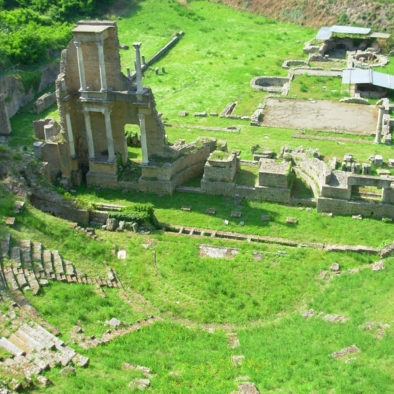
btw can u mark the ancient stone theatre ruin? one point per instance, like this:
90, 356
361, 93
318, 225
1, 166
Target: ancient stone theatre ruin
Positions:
95, 102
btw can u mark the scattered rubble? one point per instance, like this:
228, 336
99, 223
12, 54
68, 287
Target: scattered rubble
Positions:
346, 351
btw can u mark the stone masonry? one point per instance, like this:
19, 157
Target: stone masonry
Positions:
5, 126
96, 101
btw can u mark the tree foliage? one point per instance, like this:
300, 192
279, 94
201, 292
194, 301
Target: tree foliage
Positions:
30, 30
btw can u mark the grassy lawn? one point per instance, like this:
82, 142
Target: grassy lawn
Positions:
307, 87
298, 350
179, 359
66, 305
226, 53
312, 225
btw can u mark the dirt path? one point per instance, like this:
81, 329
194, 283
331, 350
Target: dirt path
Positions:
320, 115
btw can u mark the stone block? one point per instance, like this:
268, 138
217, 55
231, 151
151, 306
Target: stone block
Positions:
44, 102
378, 160
200, 114
291, 220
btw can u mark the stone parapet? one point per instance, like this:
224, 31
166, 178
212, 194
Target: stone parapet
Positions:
343, 207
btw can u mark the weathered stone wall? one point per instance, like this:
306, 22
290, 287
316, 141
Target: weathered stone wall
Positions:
221, 170
5, 126
273, 173
317, 169
44, 102
50, 155
218, 188
14, 92
262, 193
53, 203
343, 207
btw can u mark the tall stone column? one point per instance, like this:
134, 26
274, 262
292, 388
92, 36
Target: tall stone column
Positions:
70, 136
144, 145
81, 68
108, 132
138, 70
89, 135
379, 125
103, 75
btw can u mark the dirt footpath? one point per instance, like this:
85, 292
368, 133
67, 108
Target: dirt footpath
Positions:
320, 115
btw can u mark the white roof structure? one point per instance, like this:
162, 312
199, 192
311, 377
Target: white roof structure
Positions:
325, 33
361, 76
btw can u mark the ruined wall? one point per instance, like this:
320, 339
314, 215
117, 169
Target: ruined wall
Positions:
15, 93
5, 126
317, 169
343, 207
53, 203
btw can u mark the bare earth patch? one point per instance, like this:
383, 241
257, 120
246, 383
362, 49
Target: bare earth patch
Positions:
320, 115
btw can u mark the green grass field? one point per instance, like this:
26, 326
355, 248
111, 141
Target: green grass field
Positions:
200, 299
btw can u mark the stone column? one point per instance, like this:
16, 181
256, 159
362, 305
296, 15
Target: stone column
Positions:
70, 136
103, 75
89, 136
108, 132
144, 146
379, 125
138, 71
81, 67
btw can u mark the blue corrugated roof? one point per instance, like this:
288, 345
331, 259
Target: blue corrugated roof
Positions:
326, 32
360, 76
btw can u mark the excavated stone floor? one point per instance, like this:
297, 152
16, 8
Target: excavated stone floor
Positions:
320, 115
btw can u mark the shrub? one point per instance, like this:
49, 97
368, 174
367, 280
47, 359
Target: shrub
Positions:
140, 213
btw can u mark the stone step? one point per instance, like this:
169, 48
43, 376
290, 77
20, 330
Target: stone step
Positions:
18, 342
41, 342
16, 255
11, 281
10, 347
69, 268
30, 343
37, 252
21, 279
57, 262
33, 283
25, 247
5, 246
47, 260
48, 336
65, 355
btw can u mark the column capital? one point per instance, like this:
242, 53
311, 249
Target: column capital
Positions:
77, 43
100, 42
137, 45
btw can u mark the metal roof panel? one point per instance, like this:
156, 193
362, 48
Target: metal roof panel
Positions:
360, 76
350, 29
324, 34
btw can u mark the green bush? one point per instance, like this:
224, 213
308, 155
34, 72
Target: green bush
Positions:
29, 29
140, 213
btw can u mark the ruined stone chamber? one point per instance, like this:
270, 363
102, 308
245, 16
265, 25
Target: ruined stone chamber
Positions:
95, 102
